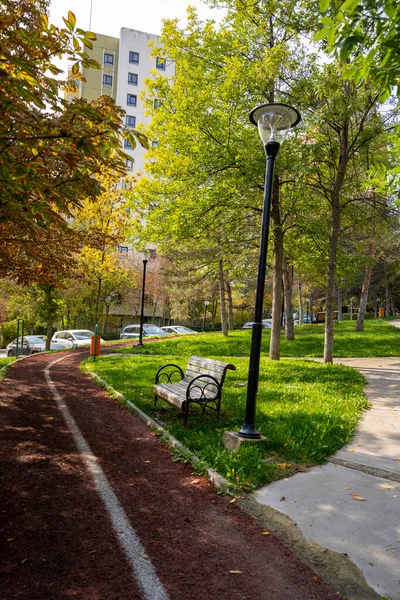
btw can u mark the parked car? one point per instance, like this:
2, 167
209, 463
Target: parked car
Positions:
178, 330
133, 331
73, 338
31, 344
265, 324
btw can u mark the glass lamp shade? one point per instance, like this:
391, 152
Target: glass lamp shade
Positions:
146, 253
274, 121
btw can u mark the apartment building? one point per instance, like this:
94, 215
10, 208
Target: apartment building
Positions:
125, 64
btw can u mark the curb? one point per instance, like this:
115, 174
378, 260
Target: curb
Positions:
333, 567
220, 482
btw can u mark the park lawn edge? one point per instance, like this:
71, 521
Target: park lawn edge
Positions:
247, 468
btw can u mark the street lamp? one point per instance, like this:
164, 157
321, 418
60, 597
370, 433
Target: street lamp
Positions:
146, 255
274, 122
206, 303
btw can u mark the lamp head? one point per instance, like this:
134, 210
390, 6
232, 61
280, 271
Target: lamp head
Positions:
146, 253
274, 121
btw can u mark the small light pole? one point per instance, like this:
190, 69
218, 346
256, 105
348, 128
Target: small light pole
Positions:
274, 122
206, 303
146, 255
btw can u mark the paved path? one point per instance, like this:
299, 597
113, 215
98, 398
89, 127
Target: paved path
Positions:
93, 507
322, 501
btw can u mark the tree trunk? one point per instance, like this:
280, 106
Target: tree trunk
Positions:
275, 343
387, 301
231, 324
339, 305
49, 334
334, 240
97, 301
300, 302
287, 276
224, 324
311, 307
365, 289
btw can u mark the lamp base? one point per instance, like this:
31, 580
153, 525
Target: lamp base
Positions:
249, 432
232, 440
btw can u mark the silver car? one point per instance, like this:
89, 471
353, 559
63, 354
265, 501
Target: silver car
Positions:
31, 344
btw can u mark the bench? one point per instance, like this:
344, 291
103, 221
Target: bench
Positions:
320, 317
200, 384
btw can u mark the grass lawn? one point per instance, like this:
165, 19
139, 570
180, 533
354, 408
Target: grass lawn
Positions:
4, 361
378, 339
305, 409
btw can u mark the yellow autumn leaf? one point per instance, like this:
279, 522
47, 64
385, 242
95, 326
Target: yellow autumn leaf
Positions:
387, 486
232, 501
352, 450
346, 488
266, 533
234, 572
357, 497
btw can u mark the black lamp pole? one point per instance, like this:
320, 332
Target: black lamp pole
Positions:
274, 122
248, 429
140, 342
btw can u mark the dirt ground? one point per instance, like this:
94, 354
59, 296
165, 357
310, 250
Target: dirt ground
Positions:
56, 538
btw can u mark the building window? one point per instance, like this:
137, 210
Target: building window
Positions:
157, 103
131, 100
127, 144
134, 58
123, 249
132, 78
154, 144
130, 121
160, 63
129, 164
108, 58
107, 80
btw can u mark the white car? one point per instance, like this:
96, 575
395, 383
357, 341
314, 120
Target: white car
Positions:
73, 338
178, 330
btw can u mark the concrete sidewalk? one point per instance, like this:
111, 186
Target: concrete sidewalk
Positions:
352, 504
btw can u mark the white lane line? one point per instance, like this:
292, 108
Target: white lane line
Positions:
142, 567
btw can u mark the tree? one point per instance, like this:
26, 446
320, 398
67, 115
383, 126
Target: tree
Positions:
368, 33
51, 152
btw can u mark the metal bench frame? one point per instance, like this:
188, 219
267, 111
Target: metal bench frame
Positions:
201, 384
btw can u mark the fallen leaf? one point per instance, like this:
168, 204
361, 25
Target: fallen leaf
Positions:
282, 499
357, 497
346, 488
394, 549
10, 539
23, 561
234, 572
266, 533
394, 495
195, 481
315, 577
147, 461
144, 555
352, 450
232, 501
387, 486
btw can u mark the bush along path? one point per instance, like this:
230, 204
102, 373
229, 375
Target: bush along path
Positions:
93, 507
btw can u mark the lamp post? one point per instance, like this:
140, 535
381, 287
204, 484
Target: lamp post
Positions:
146, 255
377, 307
274, 122
206, 303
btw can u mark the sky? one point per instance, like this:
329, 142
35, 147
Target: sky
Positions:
108, 16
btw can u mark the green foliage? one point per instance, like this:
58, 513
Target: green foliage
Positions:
368, 33
306, 410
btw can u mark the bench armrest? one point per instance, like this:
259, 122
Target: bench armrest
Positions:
166, 376
204, 391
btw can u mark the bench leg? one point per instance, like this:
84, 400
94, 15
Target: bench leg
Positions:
186, 413
155, 400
